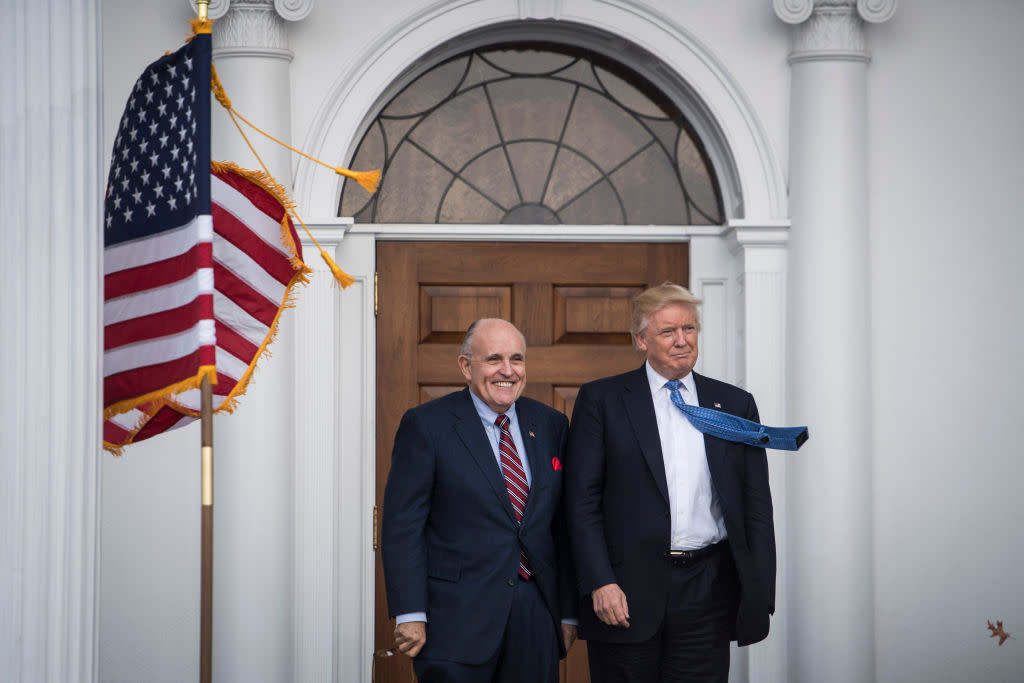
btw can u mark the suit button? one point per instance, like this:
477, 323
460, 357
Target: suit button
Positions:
511, 582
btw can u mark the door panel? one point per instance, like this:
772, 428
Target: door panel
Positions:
571, 301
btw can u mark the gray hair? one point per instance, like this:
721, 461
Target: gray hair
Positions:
650, 301
467, 341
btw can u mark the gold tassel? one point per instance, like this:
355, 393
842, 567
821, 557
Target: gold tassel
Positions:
369, 180
340, 276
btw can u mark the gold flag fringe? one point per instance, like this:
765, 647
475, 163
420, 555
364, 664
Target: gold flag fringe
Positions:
176, 388
342, 278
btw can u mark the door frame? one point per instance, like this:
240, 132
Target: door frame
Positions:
739, 269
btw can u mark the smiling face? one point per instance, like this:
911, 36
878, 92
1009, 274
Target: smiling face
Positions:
495, 369
670, 340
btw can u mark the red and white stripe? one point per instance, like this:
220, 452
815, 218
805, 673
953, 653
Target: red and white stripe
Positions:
246, 288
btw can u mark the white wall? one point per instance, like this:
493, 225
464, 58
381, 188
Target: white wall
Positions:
947, 265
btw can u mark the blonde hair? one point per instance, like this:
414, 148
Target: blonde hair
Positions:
652, 300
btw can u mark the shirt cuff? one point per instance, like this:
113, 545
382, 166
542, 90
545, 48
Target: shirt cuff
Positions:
411, 616
571, 622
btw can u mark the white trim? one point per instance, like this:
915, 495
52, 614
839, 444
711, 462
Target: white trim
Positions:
750, 172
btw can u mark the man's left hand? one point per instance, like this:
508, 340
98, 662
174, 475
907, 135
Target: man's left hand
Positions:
568, 635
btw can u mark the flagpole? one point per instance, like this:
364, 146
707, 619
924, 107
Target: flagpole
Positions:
206, 441
206, 588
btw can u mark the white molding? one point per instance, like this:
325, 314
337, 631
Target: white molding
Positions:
316, 480
540, 9
535, 233
294, 10
753, 180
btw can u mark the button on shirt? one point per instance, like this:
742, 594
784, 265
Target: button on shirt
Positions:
697, 519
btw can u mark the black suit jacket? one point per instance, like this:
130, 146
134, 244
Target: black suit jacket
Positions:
451, 544
618, 508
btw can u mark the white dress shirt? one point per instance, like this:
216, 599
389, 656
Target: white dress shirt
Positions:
697, 519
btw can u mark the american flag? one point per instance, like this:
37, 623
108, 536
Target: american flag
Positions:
158, 266
198, 264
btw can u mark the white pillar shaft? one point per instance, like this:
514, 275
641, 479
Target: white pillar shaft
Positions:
50, 364
254, 449
830, 521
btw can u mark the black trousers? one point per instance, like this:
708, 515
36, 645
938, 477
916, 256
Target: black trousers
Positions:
528, 652
692, 644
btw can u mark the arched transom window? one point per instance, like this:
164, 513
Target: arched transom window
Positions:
533, 134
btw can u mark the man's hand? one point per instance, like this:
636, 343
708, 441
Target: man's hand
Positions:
410, 637
610, 605
568, 636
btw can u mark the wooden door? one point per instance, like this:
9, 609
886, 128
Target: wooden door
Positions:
571, 301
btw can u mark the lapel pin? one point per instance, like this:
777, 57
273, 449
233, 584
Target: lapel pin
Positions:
531, 435
718, 405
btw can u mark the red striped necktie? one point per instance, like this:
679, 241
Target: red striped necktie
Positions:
515, 480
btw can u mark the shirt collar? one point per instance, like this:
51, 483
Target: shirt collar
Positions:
657, 382
488, 415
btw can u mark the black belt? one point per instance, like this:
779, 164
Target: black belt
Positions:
685, 558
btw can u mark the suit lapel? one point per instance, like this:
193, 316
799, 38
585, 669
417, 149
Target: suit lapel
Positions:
636, 397
471, 431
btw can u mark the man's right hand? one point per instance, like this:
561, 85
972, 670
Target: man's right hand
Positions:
410, 637
610, 605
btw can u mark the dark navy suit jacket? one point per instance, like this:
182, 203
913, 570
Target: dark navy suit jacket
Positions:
451, 544
618, 508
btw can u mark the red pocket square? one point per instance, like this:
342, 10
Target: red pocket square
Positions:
556, 464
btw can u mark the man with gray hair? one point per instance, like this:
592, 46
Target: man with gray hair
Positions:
671, 528
476, 565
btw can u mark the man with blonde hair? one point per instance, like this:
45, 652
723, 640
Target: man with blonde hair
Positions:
671, 528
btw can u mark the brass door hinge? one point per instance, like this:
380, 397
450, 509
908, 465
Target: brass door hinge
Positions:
376, 528
376, 300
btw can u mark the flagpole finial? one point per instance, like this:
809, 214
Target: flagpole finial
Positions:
202, 23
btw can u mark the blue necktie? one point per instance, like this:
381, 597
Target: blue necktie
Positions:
733, 428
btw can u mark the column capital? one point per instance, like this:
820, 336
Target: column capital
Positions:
248, 26
831, 29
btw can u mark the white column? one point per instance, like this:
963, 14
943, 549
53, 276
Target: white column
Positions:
762, 259
829, 564
255, 448
51, 194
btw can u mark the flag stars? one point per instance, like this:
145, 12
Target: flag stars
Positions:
175, 151
149, 95
158, 190
181, 101
141, 115
124, 183
172, 70
152, 128
155, 77
127, 215
182, 132
150, 209
162, 108
133, 133
137, 196
184, 82
166, 171
135, 165
117, 202
153, 158
168, 89
172, 202
173, 121
143, 146
178, 183
163, 140
144, 178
